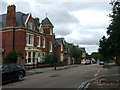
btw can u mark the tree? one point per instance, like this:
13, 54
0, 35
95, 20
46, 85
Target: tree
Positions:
12, 57
95, 55
52, 59
110, 47
75, 52
105, 49
113, 31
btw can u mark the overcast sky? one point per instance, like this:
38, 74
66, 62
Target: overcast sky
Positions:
82, 22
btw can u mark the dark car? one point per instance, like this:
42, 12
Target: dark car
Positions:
11, 72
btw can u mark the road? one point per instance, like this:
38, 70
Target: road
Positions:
67, 78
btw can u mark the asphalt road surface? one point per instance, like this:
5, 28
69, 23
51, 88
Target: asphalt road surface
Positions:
67, 78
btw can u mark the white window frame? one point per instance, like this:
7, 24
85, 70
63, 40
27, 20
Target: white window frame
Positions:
43, 42
29, 57
50, 47
51, 32
41, 30
29, 39
38, 41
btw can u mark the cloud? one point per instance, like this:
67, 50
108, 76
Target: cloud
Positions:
63, 29
90, 18
3, 6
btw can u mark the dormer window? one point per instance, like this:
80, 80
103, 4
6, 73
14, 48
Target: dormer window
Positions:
29, 25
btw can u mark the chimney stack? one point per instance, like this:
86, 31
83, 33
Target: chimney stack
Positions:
11, 16
37, 19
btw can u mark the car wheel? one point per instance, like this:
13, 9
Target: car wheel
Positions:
20, 76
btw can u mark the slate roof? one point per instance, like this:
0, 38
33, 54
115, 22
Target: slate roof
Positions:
55, 43
20, 19
46, 22
3, 20
59, 40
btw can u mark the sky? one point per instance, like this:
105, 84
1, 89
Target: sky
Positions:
82, 22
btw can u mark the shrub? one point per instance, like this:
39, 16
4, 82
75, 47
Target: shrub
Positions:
12, 57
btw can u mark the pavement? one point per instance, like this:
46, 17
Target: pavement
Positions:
48, 69
108, 79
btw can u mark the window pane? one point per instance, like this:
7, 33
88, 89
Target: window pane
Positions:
29, 56
29, 25
43, 41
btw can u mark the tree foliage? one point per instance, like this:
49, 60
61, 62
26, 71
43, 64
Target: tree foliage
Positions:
51, 58
12, 57
75, 52
110, 46
104, 49
95, 55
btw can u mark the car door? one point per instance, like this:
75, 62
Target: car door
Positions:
5, 73
14, 71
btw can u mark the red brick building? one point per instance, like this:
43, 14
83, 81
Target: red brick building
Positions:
26, 35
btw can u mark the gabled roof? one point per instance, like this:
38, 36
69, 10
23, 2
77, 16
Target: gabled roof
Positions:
47, 22
55, 43
20, 19
60, 41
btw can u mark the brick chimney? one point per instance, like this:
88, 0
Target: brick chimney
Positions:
37, 19
11, 16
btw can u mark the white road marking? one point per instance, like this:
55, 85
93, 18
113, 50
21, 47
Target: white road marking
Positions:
86, 83
97, 73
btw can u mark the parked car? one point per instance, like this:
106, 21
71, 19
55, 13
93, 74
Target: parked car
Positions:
87, 62
101, 62
11, 72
